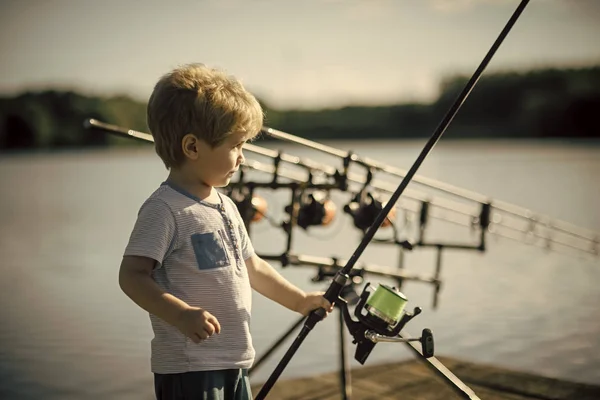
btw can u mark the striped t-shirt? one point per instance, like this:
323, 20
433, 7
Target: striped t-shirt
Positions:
200, 248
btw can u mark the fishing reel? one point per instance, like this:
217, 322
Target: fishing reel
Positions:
316, 209
382, 321
364, 209
252, 208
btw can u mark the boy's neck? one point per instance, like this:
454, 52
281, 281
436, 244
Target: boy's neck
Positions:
193, 186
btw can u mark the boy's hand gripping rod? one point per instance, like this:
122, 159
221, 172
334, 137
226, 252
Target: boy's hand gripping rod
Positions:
342, 276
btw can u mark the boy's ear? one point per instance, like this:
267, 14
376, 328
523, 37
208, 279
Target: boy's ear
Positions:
189, 145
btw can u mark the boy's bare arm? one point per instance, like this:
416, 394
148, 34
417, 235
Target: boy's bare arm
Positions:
268, 282
136, 281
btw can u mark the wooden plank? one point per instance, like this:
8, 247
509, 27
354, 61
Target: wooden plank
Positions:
412, 380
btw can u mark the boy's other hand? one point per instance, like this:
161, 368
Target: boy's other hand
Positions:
197, 324
312, 301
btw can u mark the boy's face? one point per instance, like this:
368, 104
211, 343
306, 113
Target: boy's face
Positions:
217, 165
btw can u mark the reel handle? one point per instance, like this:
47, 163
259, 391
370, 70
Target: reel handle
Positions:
426, 339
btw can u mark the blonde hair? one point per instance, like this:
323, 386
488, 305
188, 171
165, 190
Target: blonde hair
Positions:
202, 101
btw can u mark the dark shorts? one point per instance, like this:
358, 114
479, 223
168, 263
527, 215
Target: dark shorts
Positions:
227, 384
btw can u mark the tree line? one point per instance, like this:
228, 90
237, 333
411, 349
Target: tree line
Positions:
544, 103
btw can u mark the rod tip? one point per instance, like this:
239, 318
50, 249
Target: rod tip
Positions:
88, 123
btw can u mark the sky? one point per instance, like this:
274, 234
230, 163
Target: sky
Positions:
291, 54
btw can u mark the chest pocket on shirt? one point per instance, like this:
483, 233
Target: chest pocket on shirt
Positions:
209, 249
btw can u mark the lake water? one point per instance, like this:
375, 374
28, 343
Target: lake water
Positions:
68, 332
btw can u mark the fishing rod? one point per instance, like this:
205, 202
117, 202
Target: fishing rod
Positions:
511, 209
519, 224
357, 208
342, 178
339, 281
414, 201
518, 220
287, 257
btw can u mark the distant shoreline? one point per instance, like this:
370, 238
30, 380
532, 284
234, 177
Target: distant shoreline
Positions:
547, 104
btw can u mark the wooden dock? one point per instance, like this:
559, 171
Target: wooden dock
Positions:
413, 380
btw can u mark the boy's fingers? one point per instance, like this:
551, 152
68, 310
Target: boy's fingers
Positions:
209, 328
203, 335
215, 323
195, 338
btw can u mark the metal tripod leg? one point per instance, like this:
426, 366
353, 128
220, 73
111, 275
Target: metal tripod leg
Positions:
345, 372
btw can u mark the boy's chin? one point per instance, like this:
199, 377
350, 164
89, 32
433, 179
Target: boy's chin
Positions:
224, 182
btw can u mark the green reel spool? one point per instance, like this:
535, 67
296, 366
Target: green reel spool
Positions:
387, 304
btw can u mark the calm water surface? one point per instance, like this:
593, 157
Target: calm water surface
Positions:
68, 332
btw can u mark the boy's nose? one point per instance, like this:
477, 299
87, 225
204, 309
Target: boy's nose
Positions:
241, 159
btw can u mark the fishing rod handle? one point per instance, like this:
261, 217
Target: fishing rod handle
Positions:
332, 295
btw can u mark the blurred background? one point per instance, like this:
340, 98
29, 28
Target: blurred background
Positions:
375, 77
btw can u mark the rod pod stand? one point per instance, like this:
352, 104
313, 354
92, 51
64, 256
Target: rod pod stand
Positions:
369, 329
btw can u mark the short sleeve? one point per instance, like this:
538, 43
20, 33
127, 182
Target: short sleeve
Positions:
154, 233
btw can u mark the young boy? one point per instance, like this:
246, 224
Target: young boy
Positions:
189, 262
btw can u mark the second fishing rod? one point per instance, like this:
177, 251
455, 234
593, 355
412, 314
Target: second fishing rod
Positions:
339, 281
